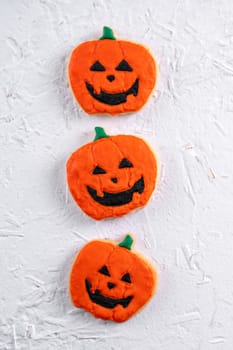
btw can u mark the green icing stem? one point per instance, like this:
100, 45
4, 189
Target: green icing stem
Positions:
127, 242
99, 133
107, 34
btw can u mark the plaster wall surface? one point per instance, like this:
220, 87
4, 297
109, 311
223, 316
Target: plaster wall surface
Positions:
187, 228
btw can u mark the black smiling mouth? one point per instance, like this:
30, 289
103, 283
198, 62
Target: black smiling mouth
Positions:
120, 198
100, 299
113, 99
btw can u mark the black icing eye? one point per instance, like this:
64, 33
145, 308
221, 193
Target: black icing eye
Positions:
124, 66
126, 278
104, 271
125, 163
98, 170
97, 67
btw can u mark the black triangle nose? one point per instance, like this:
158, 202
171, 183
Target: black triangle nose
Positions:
111, 78
111, 285
114, 180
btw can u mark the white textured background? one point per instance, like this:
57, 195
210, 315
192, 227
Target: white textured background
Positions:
187, 229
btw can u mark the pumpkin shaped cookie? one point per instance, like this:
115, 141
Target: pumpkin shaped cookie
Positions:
109, 76
112, 175
110, 280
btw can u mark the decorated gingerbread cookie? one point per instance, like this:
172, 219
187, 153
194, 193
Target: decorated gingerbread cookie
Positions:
111, 76
112, 175
110, 280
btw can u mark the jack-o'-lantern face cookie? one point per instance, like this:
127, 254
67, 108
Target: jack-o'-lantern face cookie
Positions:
112, 175
110, 280
109, 76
